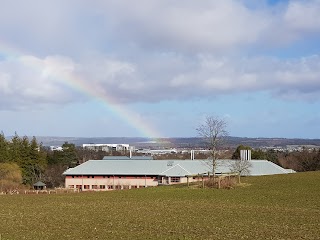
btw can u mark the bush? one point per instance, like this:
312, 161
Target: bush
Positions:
10, 177
222, 182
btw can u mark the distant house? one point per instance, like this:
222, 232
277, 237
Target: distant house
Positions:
123, 172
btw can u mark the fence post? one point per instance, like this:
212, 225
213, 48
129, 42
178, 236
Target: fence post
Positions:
202, 181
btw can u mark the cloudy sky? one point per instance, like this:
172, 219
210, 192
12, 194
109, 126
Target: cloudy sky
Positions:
156, 68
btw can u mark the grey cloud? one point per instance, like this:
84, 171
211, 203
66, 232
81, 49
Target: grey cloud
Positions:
74, 27
303, 16
30, 81
153, 50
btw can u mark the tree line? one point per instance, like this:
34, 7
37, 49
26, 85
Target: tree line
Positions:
24, 153
25, 161
300, 161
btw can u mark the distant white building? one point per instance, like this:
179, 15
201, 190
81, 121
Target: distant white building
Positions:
108, 147
157, 151
55, 148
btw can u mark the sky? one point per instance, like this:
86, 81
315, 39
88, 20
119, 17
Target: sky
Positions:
157, 68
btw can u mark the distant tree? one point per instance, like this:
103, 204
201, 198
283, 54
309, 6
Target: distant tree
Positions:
258, 154
15, 149
87, 154
60, 161
37, 161
236, 153
309, 161
272, 156
240, 166
4, 149
10, 177
53, 175
68, 157
213, 132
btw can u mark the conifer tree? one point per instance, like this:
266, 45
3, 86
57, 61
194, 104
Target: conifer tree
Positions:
4, 146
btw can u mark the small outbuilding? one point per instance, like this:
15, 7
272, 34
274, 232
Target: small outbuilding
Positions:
39, 186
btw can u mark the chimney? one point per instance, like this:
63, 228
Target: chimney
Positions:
192, 154
245, 155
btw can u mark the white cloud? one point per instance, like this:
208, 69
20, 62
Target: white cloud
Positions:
153, 50
28, 81
303, 16
74, 27
31, 81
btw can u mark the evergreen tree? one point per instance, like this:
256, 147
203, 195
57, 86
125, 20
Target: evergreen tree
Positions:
15, 149
236, 154
25, 160
4, 146
69, 154
68, 157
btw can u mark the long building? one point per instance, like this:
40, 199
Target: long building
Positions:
123, 172
108, 147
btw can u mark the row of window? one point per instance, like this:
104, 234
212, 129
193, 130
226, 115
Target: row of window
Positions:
102, 186
124, 177
175, 179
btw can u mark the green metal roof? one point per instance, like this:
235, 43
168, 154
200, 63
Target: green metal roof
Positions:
39, 184
127, 158
167, 167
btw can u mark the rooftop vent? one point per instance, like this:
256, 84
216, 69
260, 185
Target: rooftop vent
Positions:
245, 154
170, 163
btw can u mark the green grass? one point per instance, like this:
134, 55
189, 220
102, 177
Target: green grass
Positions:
270, 207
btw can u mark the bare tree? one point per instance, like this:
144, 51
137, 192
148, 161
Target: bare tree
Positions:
214, 132
240, 166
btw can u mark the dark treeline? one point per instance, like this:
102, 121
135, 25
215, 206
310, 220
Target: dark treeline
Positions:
26, 154
32, 162
301, 161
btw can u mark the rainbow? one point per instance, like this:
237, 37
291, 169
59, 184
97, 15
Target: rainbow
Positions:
128, 116
79, 84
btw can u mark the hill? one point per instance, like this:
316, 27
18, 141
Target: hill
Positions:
192, 142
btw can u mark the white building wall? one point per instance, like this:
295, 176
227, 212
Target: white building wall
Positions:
109, 183
87, 184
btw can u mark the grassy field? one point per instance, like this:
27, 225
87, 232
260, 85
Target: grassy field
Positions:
270, 207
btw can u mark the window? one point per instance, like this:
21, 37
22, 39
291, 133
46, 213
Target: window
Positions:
94, 186
72, 176
175, 179
86, 186
78, 186
71, 186
102, 187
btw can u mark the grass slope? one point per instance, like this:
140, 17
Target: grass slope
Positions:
269, 207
